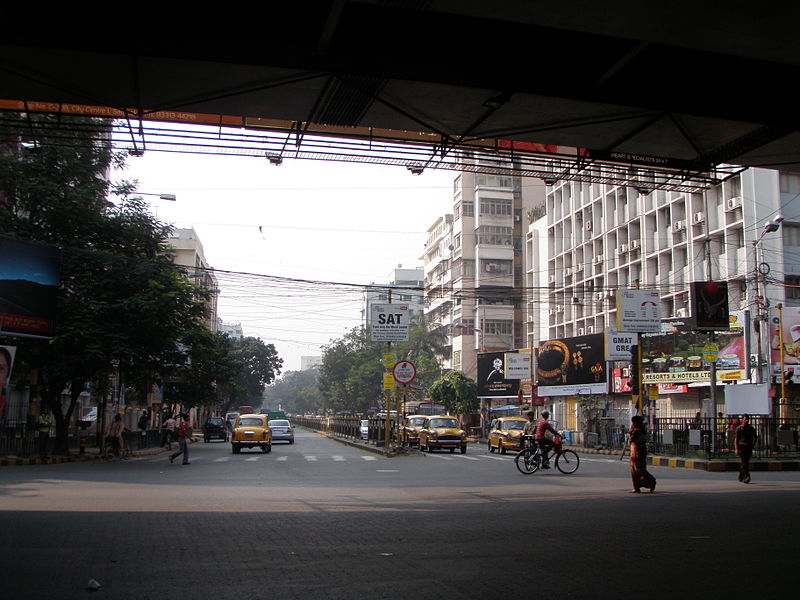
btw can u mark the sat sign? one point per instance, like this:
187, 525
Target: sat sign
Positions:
390, 322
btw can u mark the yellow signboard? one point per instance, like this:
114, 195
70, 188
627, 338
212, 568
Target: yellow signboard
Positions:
388, 381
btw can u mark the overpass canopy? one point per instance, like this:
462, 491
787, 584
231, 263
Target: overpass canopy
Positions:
686, 85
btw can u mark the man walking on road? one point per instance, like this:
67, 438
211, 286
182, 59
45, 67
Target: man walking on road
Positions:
183, 440
743, 441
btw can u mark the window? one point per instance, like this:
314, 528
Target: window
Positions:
496, 206
467, 209
793, 287
493, 180
494, 235
498, 327
497, 267
467, 327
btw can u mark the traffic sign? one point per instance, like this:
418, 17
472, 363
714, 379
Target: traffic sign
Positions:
404, 372
390, 322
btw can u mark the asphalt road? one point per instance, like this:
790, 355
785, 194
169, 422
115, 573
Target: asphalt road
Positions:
319, 519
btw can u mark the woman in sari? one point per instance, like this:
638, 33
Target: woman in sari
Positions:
639, 474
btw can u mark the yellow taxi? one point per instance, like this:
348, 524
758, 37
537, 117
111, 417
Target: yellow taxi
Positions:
506, 434
409, 430
251, 431
442, 431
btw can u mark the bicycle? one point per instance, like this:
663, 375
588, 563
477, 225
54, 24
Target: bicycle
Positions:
529, 459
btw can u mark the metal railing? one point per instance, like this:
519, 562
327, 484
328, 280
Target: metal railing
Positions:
712, 437
349, 427
17, 442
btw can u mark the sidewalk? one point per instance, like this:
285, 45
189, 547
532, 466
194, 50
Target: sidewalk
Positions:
713, 465
703, 464
90, 454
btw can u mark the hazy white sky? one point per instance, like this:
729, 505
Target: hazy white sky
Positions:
310, 220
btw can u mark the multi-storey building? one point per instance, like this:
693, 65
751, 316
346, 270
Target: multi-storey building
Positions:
601, 238
187, 251
474, 266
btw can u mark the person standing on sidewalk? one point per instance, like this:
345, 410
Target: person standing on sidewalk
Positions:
183, 440
44, 423
743, 441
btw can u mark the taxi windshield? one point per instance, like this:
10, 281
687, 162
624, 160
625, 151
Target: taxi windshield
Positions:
513, 425
417, 421
444, 423
251, 422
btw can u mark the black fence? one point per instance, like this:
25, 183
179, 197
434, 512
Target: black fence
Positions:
712, 437
17, 442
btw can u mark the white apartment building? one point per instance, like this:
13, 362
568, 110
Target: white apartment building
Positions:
474, 265
600, 238
187, 251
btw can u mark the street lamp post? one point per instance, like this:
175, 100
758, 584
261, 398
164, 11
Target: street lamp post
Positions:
761, 271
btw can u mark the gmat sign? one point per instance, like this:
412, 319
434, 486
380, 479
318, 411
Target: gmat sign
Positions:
390, 322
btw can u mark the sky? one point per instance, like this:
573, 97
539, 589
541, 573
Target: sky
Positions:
327, 223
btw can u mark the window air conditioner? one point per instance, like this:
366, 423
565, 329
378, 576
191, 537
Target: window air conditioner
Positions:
699, 217
682, 313
599, 296
559, 308
567, 272
581, 331
733, 203
578, 268
598, 259
622, 249
635, 245
552, 278
576, 300
678, 225
590, 329
588, 225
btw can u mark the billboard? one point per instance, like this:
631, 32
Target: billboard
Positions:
30, 274
492, 382
572, 366
710, 305
789, 317
676, 355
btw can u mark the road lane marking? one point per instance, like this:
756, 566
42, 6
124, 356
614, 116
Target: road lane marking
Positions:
223, 459
495, 458
370, 457
281, 458
465, 457
252, 459
338, 458
310, 458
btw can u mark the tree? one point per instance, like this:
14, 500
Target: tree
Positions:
258, 366
457, 392
351, 375
297, 392
122, 305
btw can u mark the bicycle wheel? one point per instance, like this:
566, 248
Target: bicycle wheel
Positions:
527, 460
567, 462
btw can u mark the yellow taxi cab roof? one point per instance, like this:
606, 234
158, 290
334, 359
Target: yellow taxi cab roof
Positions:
512, 419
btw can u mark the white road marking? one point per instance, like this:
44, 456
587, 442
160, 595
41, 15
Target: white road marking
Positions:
496, 458
252, 459
281, 458
465, 457
223, 459
310, 458
370, 457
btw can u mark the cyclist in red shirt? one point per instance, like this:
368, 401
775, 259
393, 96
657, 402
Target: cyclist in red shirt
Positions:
545, 444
